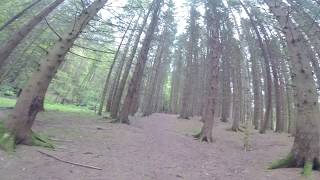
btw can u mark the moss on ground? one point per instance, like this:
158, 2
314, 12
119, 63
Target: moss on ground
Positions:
307, 169
282, 163
41, 140
7, 140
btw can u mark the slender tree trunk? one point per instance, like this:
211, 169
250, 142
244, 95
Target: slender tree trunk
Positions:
256, 76
8, 47
237, 88
115, 84
21, 119
118, 95
106, 84
136, 80
266, 58
186, 108
213, 26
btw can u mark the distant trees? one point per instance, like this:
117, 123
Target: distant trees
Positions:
31, 99
16, 38
261, 69
135, 82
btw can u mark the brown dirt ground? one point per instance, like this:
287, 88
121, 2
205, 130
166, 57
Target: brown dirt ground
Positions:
159, 147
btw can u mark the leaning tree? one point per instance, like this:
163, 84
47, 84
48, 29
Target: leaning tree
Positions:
17, 128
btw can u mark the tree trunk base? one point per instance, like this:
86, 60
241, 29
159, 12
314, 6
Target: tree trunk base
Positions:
8, 141
203, 137
290, 161
38, 140
183, 117
239, 129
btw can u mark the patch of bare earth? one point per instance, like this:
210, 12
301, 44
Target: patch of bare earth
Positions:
159, 147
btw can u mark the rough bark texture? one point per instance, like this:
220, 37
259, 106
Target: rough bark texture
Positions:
8, 47
237, 87
136, 80
213, 27
21, 119
306, 147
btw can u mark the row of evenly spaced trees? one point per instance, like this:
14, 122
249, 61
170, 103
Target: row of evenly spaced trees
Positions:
236, 61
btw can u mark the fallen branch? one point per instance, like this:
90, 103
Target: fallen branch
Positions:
62, 140
69, 162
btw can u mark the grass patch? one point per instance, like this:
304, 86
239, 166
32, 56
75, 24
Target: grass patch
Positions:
10, 102
7, 102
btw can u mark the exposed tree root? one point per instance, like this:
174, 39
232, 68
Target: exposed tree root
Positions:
283, 163
239, 129
42, 141
206, 139
181, 117
197, 136
290, 161
7, 140
115, 121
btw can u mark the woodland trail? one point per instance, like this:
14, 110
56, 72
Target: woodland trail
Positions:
158, 147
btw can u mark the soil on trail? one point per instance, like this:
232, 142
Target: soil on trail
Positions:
158, 147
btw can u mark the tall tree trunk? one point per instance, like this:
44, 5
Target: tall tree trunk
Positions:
8, 47
176, 82
186, 108
106, 84
118, 95
256, 75
306, 148
237, 87
214, 46
122, 61
136, 80
21, 119
266, 58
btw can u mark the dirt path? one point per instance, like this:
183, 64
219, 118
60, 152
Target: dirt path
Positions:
159, 147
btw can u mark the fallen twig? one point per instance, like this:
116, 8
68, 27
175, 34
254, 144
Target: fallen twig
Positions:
69, 162
62, 140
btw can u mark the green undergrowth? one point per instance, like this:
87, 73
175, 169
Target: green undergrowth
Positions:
41, 140
7, 141
9, 102
307, 169
288, 161
282, 163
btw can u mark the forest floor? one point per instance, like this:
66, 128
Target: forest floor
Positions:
158, 147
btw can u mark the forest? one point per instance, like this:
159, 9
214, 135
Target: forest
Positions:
159, 89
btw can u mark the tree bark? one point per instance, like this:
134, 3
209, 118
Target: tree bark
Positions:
214, 46
115, 84
268, 94
106, 84
306, 148
21, 119
136, 79
186, 108
118, 95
